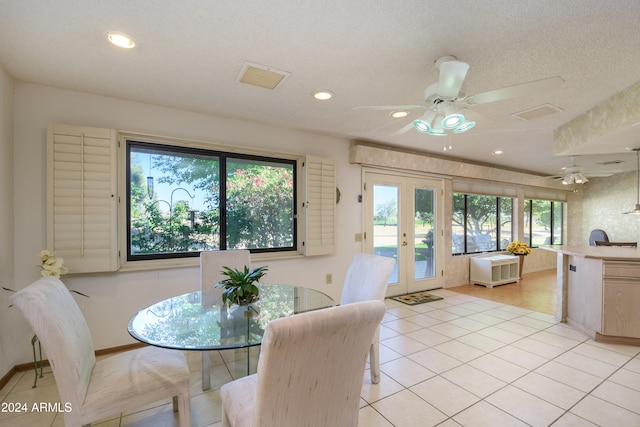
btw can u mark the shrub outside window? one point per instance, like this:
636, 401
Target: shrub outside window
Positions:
184, 200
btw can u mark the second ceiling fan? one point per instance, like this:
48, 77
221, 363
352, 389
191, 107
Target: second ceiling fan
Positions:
445, 103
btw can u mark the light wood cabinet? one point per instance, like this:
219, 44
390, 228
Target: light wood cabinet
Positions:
493, 270
600, 292
621, 295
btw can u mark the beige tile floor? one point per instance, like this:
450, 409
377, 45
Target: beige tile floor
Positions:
461, 361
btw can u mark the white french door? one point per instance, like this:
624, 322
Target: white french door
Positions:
403, 220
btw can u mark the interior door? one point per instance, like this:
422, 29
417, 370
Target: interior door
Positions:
403, 221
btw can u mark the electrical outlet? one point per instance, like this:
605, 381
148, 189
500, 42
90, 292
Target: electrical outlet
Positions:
358, 237
329, 278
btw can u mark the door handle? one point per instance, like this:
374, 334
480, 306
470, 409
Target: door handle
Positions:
404, 243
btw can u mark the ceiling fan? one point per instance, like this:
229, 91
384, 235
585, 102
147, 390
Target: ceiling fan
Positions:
576, 174
445, 103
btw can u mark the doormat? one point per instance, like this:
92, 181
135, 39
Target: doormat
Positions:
416, 298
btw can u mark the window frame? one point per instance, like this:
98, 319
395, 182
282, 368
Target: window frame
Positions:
552, 215
231, 152
465, 222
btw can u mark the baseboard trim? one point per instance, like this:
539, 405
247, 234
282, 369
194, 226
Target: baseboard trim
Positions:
29, 366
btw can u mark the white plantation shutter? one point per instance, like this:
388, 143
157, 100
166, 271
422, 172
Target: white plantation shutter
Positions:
81, 197
319, 205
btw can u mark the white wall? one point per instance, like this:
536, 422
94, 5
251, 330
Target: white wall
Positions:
114, 297
6, 220
601, 203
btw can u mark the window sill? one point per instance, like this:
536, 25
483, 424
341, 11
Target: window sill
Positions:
163, 264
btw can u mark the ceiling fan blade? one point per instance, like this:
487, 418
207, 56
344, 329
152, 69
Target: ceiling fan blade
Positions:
479, 118
391, 107
452, 74
600, 174
515, 91
404, 129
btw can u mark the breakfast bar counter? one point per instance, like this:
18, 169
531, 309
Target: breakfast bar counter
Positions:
598, 291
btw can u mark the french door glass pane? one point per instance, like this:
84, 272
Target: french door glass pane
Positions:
423, 233
385, 223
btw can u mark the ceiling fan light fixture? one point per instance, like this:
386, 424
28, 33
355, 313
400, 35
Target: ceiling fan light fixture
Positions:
452, 121
580, 178
464, 127
438, 132
422, 126
568, 180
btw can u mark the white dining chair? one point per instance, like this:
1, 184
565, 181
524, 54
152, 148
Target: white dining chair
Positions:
97, 389
367, 279
211, 263
309, 372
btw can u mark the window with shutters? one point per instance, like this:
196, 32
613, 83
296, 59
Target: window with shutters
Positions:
118, 198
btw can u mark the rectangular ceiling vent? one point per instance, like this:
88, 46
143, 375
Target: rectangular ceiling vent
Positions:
262, 76
535, 112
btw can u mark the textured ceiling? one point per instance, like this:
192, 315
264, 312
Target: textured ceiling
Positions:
190, 53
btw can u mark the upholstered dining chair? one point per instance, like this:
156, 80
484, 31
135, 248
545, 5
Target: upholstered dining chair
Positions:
211, 263
97, 389
367, 279
309, 372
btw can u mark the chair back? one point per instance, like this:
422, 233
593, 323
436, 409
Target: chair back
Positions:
367, 278
311, 366
597, 235
60, 326
211, 263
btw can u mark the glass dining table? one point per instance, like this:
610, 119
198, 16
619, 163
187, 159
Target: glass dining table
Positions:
193, 322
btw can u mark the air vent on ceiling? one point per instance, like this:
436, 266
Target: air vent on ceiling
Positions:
535, 112
262, 76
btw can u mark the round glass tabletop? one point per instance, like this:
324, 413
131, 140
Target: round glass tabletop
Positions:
185, 322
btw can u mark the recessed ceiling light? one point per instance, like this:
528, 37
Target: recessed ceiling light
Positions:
323, 95
497, 152
121, 40
398, 114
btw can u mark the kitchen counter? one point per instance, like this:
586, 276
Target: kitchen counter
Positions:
598, 291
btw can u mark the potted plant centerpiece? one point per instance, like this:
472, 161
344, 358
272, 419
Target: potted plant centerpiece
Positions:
240, 285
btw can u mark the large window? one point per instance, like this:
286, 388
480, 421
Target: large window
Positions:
480, 223
184, 200
543, 222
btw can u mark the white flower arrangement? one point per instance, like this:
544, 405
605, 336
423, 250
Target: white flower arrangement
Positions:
52, 265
